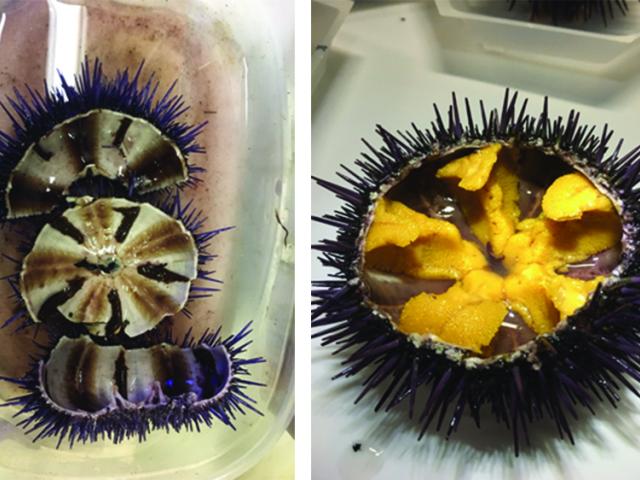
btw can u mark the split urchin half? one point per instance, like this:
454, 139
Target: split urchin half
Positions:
119, 129
491, 265
113, 268
83, 392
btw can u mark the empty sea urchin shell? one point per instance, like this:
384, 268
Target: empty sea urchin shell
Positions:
114, 268
84, 392
119, 129
110, 264
587, 350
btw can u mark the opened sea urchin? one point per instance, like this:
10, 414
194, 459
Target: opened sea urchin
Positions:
117, 128
84, 392
492, 265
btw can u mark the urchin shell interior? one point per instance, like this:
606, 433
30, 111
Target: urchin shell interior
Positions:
85, 377
102, 143
83, 392
110, 264
485, 247
118, 128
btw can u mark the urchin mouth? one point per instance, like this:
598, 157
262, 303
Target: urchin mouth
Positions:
105, 265
389, 292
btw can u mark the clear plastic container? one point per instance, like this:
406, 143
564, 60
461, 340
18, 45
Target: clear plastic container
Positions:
230, 68
327, 16
587, 46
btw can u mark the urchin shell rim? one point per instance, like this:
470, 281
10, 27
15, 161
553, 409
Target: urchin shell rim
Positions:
224, 406
611, 360
529, 349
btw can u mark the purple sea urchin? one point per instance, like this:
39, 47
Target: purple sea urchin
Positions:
83, 392
562, 11
114, 268
119, 128
580, 360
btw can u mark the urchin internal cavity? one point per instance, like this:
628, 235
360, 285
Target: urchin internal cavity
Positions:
102, 143
81, 376
112, 265
488, 246
81, 391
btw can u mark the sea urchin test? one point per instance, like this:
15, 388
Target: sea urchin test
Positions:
101, 143
111, 265
118, 129
81, 391
493, 264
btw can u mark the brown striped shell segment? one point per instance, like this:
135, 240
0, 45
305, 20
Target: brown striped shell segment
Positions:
102, 143
81, 376
111, 265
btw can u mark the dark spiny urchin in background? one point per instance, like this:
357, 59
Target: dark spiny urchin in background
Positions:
33, 114
193, 219
46, 419
577, 366
563, 11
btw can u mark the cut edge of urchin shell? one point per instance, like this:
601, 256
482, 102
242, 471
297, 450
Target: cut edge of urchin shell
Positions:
34, 113
557, 382
41, 417
192, 218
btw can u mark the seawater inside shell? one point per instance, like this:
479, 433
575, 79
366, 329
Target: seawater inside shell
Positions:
462, 249
102, 143
111, 265
81, 376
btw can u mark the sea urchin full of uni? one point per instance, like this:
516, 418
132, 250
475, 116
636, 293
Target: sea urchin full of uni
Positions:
492, 265
93, 177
